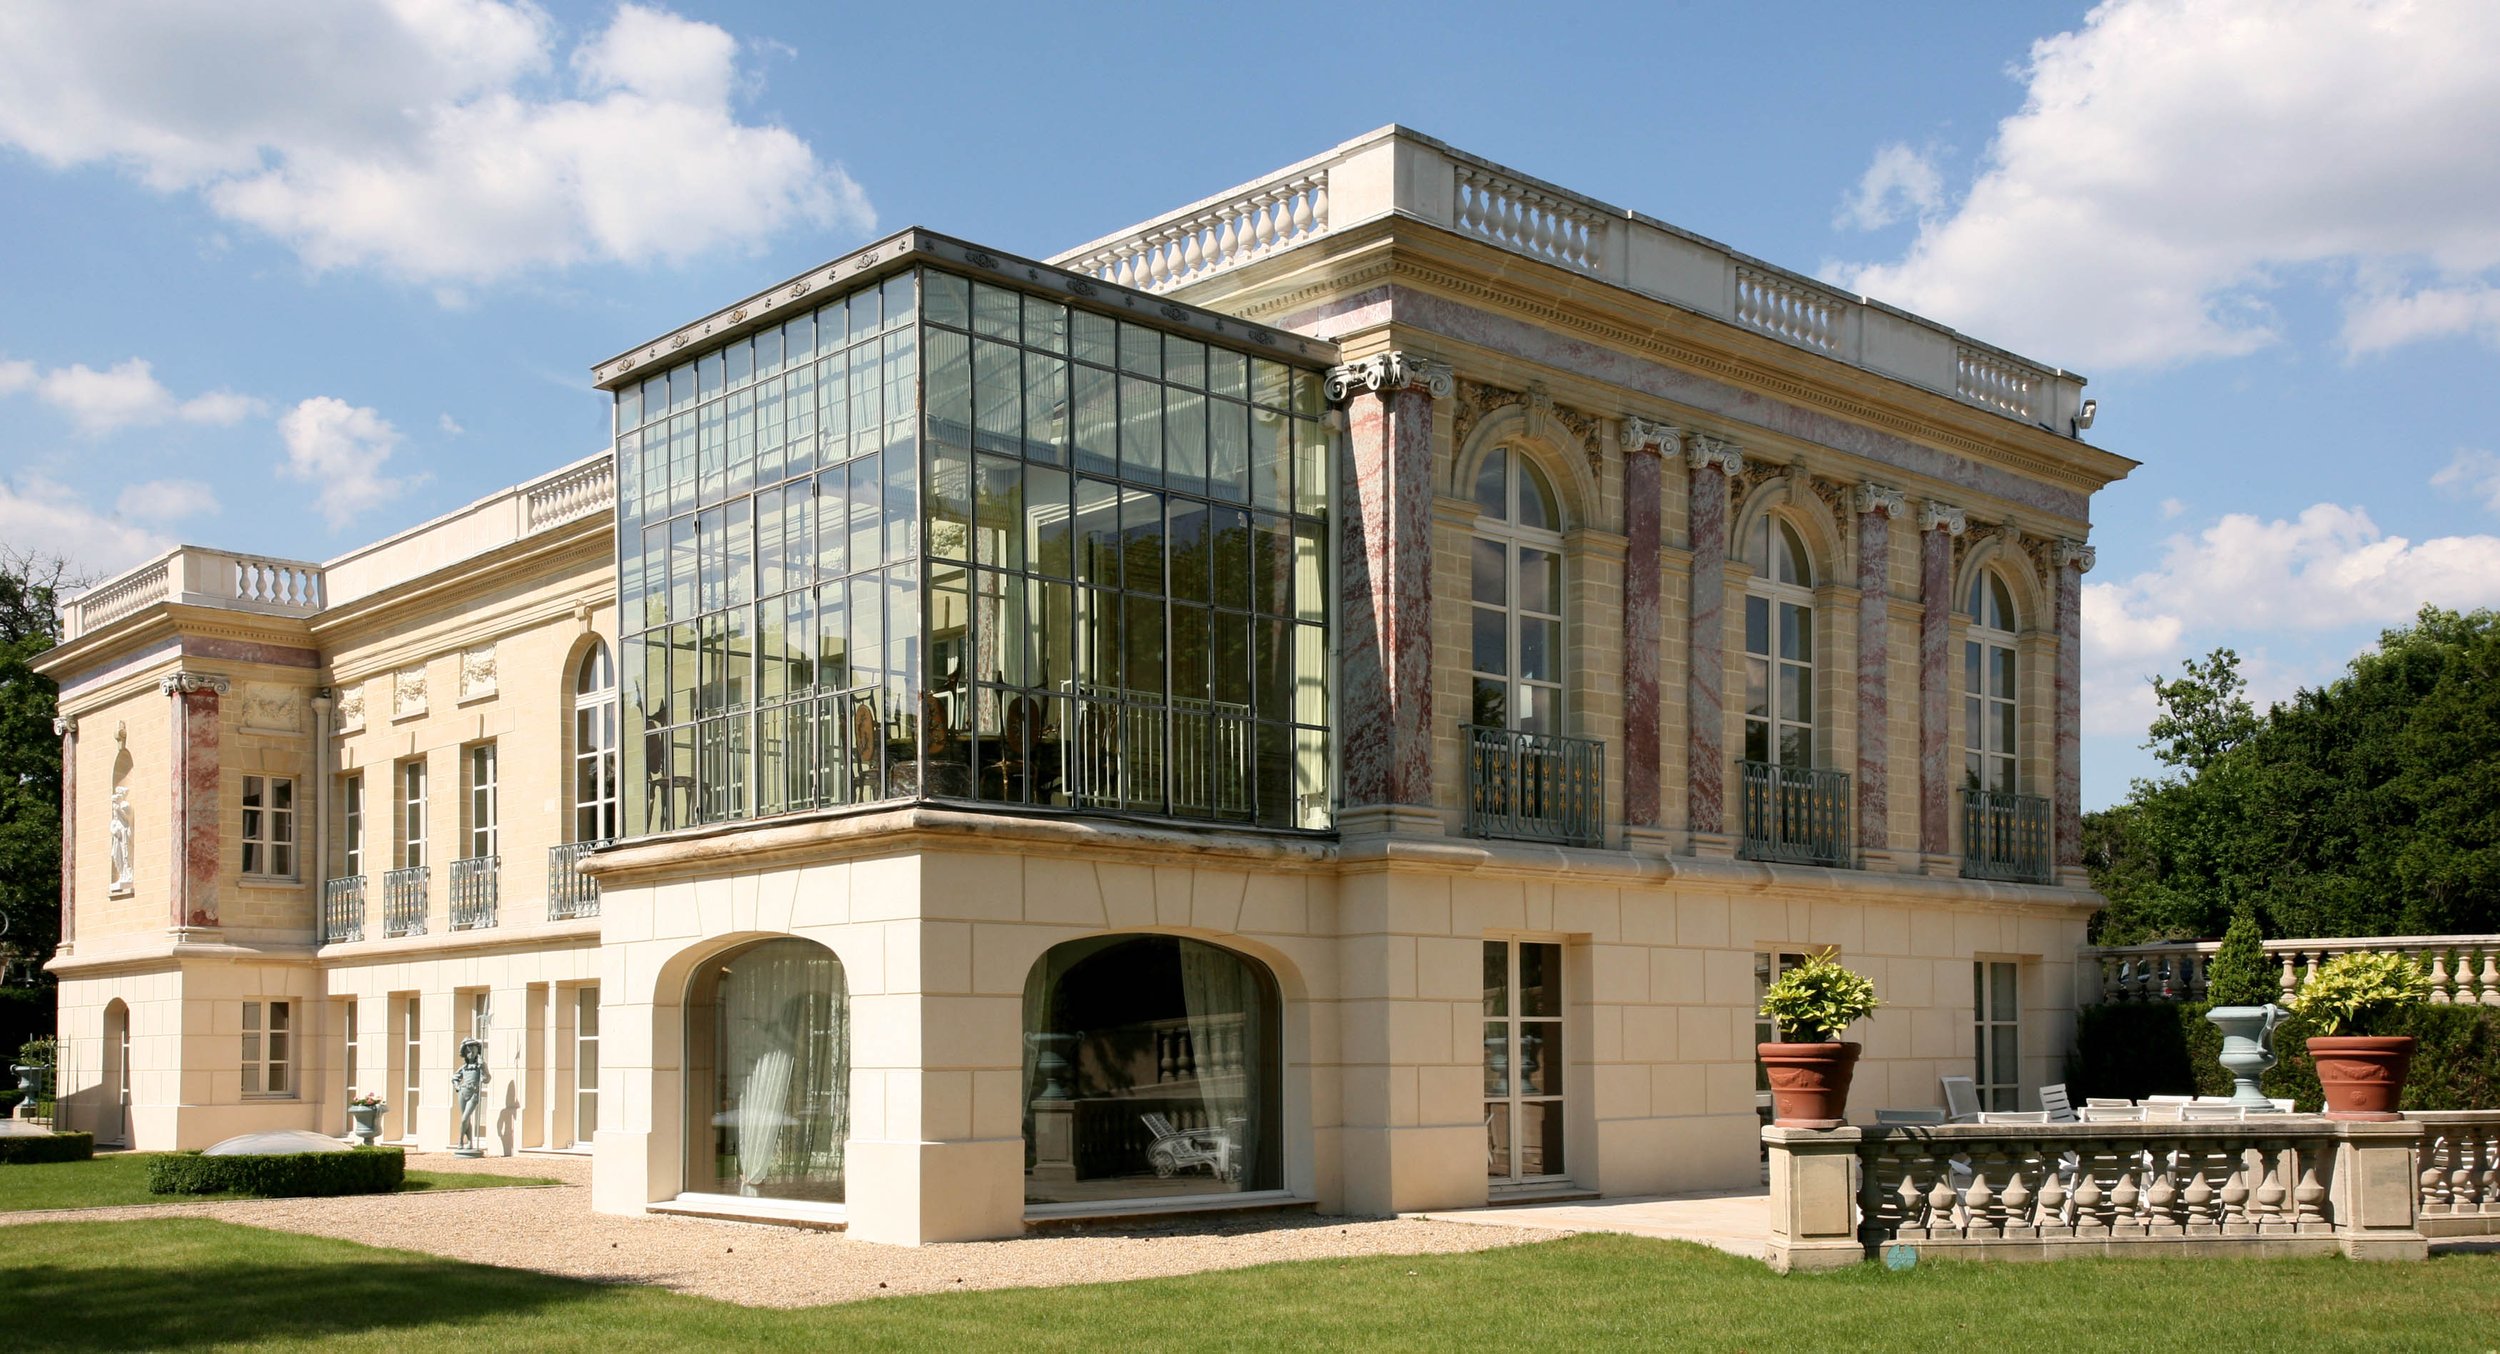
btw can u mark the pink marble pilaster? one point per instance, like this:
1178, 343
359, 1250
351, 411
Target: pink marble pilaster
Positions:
2073, 559
68, 730
1385, 577
1876, 507
1643, 487
196, 807
1705, 779
1938, 525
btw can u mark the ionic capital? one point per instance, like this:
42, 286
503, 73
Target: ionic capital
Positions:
63, 726
1877, 498
1705, 451
184, 683
2077, 556
1934, 516
1385, 372
1641, 435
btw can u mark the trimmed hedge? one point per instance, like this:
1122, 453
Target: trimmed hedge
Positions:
358, 1170
41, 1149
2136, 1049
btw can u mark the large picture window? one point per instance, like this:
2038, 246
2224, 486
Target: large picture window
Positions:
768, 1072
1991, 708
1516, 588
1149, 1071
1523, 1060
1779, 647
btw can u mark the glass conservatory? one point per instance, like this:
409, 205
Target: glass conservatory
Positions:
944, 537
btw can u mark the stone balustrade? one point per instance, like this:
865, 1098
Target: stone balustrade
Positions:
1396, 172
2464, 970
575, 492
2271, 1185
193, 575
2460, 1180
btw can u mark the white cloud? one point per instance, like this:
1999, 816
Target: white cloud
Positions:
438, 140
1901, 182
2174, 160
2378, 321
2172, 507
15, 376
126, 394
450, 426
166, 500
342, 448
2475, 472
47, 518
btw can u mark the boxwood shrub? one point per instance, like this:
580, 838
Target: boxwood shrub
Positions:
358, 1170
2136, 1049
35, 1149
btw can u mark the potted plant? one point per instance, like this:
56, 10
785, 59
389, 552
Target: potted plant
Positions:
364, 1116
2242, 989
1811, 1005
2352, 998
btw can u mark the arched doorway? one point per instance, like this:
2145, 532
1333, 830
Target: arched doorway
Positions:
116, 1125
768, 1073
1150, 1071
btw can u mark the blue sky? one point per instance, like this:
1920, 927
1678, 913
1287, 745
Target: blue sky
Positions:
291, 276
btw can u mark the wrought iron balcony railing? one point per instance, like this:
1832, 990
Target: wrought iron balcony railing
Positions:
570, 893
403, 900
343, 909
1792, 815
1537, 787
2005, 836
474, 889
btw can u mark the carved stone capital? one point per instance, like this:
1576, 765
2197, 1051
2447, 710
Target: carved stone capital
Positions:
63, 726
184, 683
1934, 516
2076, 555
1877, 498
1385, 372
1639, 435
1705, 451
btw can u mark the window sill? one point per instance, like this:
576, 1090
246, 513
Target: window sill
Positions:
267, 881
279, 1098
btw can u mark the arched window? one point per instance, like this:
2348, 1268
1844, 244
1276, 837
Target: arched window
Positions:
1517, 591
1991, 711
594, 747
1150, 1070
768, 1072
1779, 647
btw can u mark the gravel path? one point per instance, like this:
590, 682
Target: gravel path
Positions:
553, 1230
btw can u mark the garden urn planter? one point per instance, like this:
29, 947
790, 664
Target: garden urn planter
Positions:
1809, 1083
366, 1122
2363, 1075
2247, 1048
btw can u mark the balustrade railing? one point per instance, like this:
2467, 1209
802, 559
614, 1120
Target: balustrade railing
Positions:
343, 909
2005, 836
200, 577
2460, 1181
403, 900
570, 893
577, 492
2464, 970
1526, 220
1789, 310
1538, 787
475, 890
1202, 241
1997, 381
1799, 817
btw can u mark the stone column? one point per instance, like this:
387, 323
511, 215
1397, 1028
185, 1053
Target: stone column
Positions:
196, 808
1714, 463
2074, 559
1644, 445
1876, 507
67, 730
1385, 586
1814, 1177
1938, 524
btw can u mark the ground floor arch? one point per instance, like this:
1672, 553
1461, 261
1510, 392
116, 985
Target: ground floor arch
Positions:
767, 1072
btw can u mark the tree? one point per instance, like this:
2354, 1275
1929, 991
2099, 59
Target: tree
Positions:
30, 791
2368, 806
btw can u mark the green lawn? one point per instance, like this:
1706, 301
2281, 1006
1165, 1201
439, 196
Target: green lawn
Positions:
122, 1178
195, 1284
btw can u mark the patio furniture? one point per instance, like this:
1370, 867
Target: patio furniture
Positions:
1176, 1150
2106, 1103
1961, 1100
2282, 1103
2113, 1114
2053, 1100
2205, 1113
2013, 1116
1917, 1116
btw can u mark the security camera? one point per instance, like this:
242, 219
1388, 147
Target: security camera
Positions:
2084, 416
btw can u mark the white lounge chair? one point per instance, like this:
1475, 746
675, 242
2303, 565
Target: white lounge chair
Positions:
2113, 1114
2053, 1099
2013, 1116
1175, 1150
2194, 1113
2096, 1102
1961, 1100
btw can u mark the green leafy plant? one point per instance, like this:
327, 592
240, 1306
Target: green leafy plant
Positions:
37, 1149
2240, 975
1813, 1002
2357, 993
42, 1052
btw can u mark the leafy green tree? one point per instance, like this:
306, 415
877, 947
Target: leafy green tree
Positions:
30, 792
2240, 975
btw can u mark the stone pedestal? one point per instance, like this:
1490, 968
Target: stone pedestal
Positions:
1814, 1196
2374, 1194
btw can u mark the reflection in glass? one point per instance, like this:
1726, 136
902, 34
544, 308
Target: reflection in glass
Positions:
768, 1073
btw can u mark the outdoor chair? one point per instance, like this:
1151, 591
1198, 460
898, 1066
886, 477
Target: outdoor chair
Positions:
2194, 1113
2113, 1114
2013, 1116
2053, 1100
1917, 1116
1961, 1100
1176, 1150
2169, 1100
2105, 1103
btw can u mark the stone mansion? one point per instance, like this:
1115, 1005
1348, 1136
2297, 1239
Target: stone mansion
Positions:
1339, 696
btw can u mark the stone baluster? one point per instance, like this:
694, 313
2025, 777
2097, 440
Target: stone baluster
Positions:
2309, 1196
2291, 980
2439, 978
1938, 524
2234, 1195
2491, 977
1983, 1216
1876, 507
2160, 1204
1907, 1208
1645, 447
2051, 1218
2019, 1197
1385, 576
2266, 1202
2126, 1201
1942, 1205
2091, 1217
2074, 559
2435, 1194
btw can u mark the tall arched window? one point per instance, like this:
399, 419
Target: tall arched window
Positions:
1517, 591
1779, 647
594, 747
1991, 711
768, 1073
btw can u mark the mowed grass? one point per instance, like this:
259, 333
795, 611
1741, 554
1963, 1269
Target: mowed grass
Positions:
122, 1178
196, 1284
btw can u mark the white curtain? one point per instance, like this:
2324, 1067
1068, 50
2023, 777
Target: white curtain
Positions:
785, 1045
1220, 1000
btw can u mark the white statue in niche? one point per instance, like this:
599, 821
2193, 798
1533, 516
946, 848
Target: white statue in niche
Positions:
121, 838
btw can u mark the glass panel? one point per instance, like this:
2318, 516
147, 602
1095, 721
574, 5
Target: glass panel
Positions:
1541, 1138
1492, 640
2004, 1057
1540, 1055
1497, 1140
2001, 991
1540, 979
1536, 498
1491, 707
1540, 581
1492, 486
768, 1065
1540, 646
1497, 1057
1797, 632
1758, 625
2001, 673
1496, 977
1487, 560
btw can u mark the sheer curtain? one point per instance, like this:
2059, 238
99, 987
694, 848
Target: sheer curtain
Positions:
784, 1032
1218, 997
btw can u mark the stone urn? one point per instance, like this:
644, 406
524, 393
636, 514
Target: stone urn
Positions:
1809, 1083
365, 1121
2247, 1048
2363, 1075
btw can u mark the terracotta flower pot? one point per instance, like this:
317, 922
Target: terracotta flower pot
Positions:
1809, 1083
2363, 1075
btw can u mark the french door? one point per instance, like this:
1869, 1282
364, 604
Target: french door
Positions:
1523, 1061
